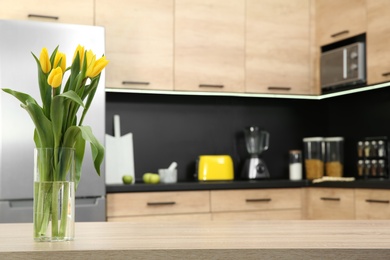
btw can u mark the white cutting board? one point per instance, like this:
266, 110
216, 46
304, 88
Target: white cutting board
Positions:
119, 155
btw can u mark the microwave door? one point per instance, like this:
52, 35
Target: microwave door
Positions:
333, 68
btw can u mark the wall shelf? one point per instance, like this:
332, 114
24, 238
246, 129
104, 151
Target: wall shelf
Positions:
235, 94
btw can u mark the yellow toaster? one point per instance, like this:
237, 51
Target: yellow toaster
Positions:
215, 168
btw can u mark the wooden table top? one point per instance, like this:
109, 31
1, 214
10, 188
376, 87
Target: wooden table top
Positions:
303, 239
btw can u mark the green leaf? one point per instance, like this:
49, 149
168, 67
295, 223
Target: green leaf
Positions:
44, 88
58, 115
42, 124
72, 139
24, 98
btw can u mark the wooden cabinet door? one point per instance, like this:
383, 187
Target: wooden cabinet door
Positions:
70, 11
255, 199
139, 43
339, 19
278, 47
378, 38
209, 45
330, 203
372, 204
124, 205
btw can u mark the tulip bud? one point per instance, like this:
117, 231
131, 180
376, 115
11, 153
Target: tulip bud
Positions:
44, 61
91, 59
55, 77
80, 51
60, 61
99, 65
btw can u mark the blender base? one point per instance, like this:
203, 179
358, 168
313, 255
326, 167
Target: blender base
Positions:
255, 168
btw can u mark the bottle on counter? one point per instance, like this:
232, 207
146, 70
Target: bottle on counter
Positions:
295, 165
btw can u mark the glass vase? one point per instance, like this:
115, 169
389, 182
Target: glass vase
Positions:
54, 194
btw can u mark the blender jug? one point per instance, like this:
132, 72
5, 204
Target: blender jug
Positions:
257, 141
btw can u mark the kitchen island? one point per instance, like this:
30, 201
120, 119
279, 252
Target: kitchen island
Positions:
300, 239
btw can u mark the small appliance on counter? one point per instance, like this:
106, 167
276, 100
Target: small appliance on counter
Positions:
257, 141
215, 168
373, 157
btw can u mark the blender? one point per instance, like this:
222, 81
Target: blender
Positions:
257, 141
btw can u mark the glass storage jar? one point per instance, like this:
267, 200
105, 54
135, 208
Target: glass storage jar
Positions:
314, 157
334, 153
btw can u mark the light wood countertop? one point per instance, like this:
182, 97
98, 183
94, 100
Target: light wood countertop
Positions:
300, 239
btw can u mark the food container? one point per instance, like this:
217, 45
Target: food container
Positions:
295, 165
314, 157
334, 153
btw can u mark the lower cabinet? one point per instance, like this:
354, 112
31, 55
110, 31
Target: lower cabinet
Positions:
250, 204
256, 204
136, 206
247, 204
372, 204
329, 203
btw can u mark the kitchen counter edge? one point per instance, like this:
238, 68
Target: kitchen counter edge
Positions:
251, 184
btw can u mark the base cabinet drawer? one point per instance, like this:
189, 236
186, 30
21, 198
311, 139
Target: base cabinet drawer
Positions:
330, 203
255, 199
372, 204
157, 203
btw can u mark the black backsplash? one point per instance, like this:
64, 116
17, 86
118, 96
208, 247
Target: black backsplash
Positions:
178, 128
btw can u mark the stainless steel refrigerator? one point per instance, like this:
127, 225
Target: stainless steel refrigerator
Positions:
18, 71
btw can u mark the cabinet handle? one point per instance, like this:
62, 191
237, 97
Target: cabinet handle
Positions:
378, 201
210, 86
163, 203
386, 74
279, 88
339, 33
135, 83
43, 16
258, 200
327, 198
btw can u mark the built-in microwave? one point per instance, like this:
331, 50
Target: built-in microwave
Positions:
343, 67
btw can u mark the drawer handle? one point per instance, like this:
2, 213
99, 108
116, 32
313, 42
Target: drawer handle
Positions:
339, 33
378, 201
135, 83
279, 88
210, 86
332, 199
386, 74
258, 200
163, 203
43, 16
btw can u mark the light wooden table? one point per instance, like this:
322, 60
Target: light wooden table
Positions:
306, 239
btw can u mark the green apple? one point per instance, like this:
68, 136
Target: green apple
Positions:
146, 177
154, 178
127, 179
151, 178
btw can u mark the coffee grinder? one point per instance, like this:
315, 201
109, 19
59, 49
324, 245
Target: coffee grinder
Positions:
257, 141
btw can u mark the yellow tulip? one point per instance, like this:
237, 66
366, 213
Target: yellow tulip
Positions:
98, 66
60, 57
91, 59
80, 51
55, 77
44, 60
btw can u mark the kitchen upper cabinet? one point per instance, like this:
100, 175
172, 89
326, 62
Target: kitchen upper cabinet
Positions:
69, 11
339, 19
139, 42
209, 45
378, 38
278, 46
